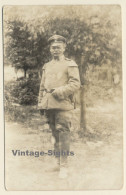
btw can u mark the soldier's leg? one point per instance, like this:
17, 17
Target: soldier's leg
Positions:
62, 126
50, 114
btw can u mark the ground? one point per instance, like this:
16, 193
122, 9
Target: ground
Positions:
98, 159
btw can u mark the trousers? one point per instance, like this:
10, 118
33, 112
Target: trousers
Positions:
60, 124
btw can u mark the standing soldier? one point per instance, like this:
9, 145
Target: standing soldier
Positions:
60, 80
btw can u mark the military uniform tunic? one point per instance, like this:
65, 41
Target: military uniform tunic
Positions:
63, 76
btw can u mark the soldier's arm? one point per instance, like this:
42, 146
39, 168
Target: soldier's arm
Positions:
41, 85
73, 83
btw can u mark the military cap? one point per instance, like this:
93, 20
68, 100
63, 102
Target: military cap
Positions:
57, 39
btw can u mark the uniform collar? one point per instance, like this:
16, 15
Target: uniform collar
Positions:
61, 58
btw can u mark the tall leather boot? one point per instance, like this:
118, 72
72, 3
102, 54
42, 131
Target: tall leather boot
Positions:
64, 140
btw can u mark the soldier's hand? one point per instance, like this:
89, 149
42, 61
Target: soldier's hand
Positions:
57, 93
54, 93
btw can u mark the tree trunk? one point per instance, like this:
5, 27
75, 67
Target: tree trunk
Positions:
82, 110
82, 97
25, 71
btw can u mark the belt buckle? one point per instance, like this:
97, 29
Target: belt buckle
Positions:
47, 91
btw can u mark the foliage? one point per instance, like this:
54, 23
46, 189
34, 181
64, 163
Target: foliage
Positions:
86, 43
20, 50
26, 91
92, 41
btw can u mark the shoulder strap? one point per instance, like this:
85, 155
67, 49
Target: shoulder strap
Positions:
72, 64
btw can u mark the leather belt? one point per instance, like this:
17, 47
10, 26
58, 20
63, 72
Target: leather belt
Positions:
49, 91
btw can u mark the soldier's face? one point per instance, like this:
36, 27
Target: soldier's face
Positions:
57, 49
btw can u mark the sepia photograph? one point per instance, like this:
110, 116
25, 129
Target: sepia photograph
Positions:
63, 100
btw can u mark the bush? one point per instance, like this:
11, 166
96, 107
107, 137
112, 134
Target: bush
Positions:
26, 91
